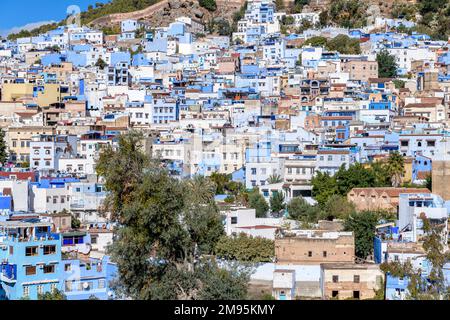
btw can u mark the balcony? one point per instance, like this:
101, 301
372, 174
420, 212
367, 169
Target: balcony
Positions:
40, 237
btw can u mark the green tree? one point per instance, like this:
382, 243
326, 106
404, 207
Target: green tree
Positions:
399, 84
3, 148
344, 45
224, 27
324, 18
75, 222
301, 210
275, 178
317, 41
298, 5
382, 178
244, 248
221, 181
363, 226
220, 284
337, 207
429, 182
356, 176
396, 168
101, 63
324, 186
348, 13
257, 201
54, 295
277, 202
210, 5
387, 65
421, 286
167, 228
279, 4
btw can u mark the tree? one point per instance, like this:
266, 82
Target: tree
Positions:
363, 227
387, 64
275, 178
101, 63
317, 41
344, 45
257, 201
54, 295
75, 222
220, 180
210, 5
429, 182
224, 28
324, 186
167, 228
425, 284
277, 202
244, 248
221, 284
298, 5
324, 18
301, 210
396, 168
3, 148
279, 4
338, 207
356, 176
348, 13
399, 84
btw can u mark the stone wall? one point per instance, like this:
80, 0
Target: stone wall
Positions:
295, 250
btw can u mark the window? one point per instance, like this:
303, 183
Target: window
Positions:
49, 250
68, 285
11, 250
234, 220
26, 291
356, 279
94, 240
335, 279
30, 270
404, 143
254, 171
40, 289
324, 254
431, 143
334, 294
355, 294
31, 251
49, 268
101, 283
67, 267
309, 253
53, 287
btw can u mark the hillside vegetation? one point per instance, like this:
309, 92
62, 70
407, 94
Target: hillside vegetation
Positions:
432, 16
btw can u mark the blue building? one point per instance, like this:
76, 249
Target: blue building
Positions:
33, 262
31, 259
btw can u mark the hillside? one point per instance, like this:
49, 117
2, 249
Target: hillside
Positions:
432, 16
165, 11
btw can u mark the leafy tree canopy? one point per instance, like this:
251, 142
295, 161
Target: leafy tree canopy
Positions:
245, 248
167, 229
